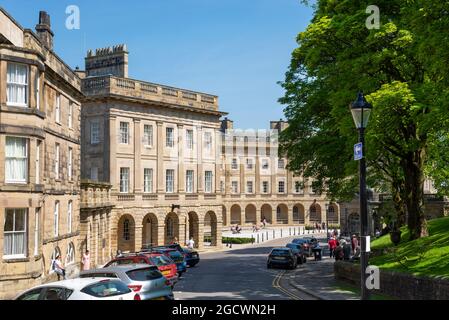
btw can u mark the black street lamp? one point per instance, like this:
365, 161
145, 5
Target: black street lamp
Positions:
327, 221
361, 110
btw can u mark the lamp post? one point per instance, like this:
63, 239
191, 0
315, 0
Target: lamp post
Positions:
361, 110
327, 221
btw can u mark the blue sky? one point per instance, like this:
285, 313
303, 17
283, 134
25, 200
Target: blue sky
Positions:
236, 49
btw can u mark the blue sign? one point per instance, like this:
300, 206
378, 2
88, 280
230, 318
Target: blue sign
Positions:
358, 151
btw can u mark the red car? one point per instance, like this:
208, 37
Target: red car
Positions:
165, 265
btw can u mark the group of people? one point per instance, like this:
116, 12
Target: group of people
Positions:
236, 229
58, 267
340, 249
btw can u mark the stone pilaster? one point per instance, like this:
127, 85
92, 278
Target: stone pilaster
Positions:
113, 140
181, 171
137, 156
200, 173
160, 160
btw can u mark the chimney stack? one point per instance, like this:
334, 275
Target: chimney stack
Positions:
43, 30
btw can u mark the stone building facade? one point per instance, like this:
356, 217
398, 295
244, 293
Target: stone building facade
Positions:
39, 156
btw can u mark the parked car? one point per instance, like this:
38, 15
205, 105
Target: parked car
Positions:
146, 281
282, 257
298, 251
307, 246
175, 255
99, 288
165, 265
191, 256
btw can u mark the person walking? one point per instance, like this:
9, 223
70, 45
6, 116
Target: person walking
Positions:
354, 243
86, 260
264, 222
332, 245
191, 243
59, 268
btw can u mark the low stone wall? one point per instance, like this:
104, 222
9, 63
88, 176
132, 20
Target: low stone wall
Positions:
397, 285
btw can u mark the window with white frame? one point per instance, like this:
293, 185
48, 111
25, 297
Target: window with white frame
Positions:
148, 180
189, 181
208, 181
57, 158
124, 180
70, 164
208, 142
126, 230
281, 164
249, 187
222, 186
249, 163
15, 233
37, 91
265, 187
189, 139
94, 173
281, 186
234, 165
265, 164
235, 186
169, 180
38, 161
36, 231
69, 216
124, 132
17, 85
58, 108
56, 219
148, 135
297, 187
70, 255
94, 132
16, 160
169, 137
70, 114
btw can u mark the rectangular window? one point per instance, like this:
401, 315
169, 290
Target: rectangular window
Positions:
69, 216
94, 132
124, 132
148, 135
265, 187
208, 141
17, 85
38, 161
169, 137
234, 165
222, 186
281, 164
56, 220
208, 181
57, 156
94, 173
235, 187
189, 139
58, 108
37, 92
148, 180
124, 180
16, 160
70, 115
36, 231
169, 180
189, 181
265, 165
297, 187
281, 186
70, 164
249, 164
249, 187
15, 233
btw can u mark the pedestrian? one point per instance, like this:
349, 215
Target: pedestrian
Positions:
338, 253
264, 222
86, 261
175, 240
191, 243
59, 268
354, 243
332, 245
323, 225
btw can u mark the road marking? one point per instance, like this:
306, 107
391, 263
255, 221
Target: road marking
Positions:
277, 285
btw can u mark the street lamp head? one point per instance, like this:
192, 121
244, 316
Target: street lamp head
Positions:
361, 111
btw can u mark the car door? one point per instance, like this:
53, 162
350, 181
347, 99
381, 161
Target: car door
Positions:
56, 293
33, 294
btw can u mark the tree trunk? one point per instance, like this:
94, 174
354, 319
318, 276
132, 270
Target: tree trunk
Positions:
398, 203
414, 188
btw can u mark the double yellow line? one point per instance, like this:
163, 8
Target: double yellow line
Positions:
277, 285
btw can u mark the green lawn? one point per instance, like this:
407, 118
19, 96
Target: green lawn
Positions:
426, 256
343, 286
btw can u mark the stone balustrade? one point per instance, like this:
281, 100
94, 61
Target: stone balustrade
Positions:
95, 194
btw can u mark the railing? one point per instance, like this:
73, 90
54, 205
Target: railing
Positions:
149, 197
210, 196
171, 197
105, 85
191, 197
126, 197
94, 194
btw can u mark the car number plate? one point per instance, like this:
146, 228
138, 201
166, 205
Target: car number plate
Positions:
166, 272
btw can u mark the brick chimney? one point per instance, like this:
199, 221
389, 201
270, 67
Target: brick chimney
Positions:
43, 30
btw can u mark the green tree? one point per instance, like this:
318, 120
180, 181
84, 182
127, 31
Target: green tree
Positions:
338, 56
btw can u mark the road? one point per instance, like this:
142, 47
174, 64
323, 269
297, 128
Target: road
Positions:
239, 274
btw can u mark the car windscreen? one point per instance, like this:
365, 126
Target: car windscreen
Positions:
104, 289
283, 253
176, 256
160, 260
293, 246
144, 274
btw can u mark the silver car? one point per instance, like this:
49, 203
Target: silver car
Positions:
145, 280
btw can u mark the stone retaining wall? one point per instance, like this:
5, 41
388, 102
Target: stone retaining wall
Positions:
395, 284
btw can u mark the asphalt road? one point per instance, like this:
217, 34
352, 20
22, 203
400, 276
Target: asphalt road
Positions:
239, 274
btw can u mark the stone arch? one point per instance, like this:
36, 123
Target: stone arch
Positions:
150, 229
250, 214
171, 228
236, 214
315, 213
282, 214
194, 225
126, 234
298, 214
332, 214
354, 223
266, 213
211, 227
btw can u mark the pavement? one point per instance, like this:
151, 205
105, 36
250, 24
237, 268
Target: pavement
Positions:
241, 273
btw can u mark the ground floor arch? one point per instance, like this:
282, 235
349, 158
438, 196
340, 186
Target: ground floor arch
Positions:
126, 234
236, 214
194, 227
298, 214
282, 214
250, 214
315, 213
150, 229
171, 228
332, 214
266, 213
211, 227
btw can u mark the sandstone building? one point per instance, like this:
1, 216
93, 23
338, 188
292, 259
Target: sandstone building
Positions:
39, 156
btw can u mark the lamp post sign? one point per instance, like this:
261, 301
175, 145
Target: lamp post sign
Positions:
358, 151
